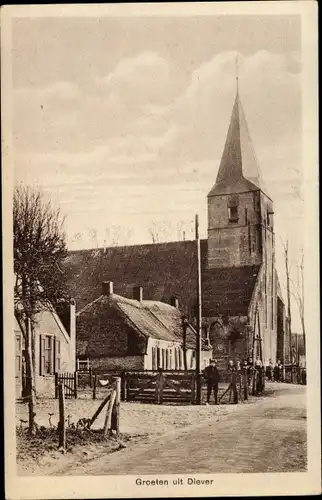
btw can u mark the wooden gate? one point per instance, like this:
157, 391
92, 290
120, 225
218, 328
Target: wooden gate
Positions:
69, 382
160, 387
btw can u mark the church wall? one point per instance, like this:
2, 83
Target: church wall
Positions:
264, 327
229, 338
234, 243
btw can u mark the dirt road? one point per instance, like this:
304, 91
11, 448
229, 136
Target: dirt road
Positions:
268, 436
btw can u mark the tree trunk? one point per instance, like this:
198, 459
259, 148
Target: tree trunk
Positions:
31, 393
302, 311
185, 363
289, 322
304, 338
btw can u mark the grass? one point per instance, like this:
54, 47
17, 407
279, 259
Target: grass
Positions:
43, 449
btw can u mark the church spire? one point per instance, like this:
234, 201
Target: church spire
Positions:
238, 169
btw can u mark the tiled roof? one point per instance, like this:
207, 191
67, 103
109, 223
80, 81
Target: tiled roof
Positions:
238, 169
163, 270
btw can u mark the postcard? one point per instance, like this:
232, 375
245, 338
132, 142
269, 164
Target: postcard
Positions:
160, 250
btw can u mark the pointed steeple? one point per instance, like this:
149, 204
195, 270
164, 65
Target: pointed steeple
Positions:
238, 169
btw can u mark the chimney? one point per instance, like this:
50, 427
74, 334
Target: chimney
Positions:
138, 293
72, 333
174, 301
107, 288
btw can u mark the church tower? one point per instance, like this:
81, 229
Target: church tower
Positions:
240, 213
241, 232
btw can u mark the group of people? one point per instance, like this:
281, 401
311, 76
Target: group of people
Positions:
212, 375
275, 373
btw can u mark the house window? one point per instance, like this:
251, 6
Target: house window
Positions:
233, 209
166, 359
50, 354
158, 357
154, 358
163, 359
180, 359
176, 361
192, 359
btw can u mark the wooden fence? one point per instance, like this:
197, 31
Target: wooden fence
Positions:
164, 386
112, 416
159, 387
69, 383
295, 374
83, 365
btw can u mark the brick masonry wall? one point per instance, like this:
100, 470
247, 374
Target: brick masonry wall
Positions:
267, 325
234, 243
107, 334
118, 363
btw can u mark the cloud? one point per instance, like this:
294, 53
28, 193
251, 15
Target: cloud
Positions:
147, 137
146, 64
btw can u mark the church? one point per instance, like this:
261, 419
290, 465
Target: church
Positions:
243, 313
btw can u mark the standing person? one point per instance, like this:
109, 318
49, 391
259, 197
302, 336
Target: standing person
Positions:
281, 372
258, 374
250, 370
211, 374
276, 373
258, 363
269, 370
233, 384
239, 382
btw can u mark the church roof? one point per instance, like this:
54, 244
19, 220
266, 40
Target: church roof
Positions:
163, 270
238, 169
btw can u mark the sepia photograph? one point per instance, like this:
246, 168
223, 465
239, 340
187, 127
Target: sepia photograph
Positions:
160, 249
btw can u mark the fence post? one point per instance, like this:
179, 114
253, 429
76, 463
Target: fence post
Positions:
99, 409
56, 385
125, 386
108, 417
94, 386
115, 421
122, 385
62, 428
159, 387
75, 384
90, 378
77, 364
193, 388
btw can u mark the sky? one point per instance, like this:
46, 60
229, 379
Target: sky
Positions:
122, 120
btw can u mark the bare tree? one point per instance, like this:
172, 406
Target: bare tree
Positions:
288, 295
159, 231
153, 231
93, 237
298, 294
39, 248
